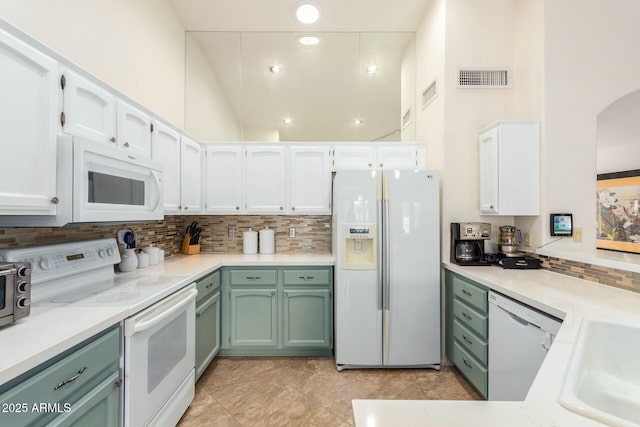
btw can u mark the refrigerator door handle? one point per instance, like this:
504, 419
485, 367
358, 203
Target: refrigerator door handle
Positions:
379, 266
386, 262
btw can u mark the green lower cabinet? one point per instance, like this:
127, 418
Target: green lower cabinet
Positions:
80, 387
307, 318
277, 311
467, 329
207, 332
99, 407
254, 317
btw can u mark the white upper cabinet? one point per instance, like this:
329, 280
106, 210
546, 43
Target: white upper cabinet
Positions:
265, 179
191, 176
165, 148
224, 176
134, 130
309, 180
508, 154
397, 156
89, 111
354, 157
29, 116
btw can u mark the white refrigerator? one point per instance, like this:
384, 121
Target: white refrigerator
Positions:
386, 241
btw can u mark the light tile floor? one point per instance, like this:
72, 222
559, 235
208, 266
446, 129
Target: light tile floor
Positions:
306, 391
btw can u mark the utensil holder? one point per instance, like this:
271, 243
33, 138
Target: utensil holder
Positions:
188, 249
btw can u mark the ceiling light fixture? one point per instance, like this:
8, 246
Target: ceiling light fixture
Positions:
287, 121
275, 69
309, 40
357, 122
307, 13
372, 69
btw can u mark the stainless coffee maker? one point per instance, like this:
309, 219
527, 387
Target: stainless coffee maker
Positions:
467, 242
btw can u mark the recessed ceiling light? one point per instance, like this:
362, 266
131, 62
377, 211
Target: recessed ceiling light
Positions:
307, 13
309, 40
275, 69
357, 122
287, 120
372, 69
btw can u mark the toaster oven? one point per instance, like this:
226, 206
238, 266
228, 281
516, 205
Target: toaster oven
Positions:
15, 291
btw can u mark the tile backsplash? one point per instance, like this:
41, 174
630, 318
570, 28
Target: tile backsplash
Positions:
166, 234
313, 233
623, 279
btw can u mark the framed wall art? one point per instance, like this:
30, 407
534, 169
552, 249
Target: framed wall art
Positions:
618, 211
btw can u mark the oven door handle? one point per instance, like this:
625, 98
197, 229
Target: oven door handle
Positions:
7, 272
139, 326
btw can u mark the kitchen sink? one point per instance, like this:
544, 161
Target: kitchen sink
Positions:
603, 381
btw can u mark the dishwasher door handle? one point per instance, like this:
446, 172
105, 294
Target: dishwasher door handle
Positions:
517, 319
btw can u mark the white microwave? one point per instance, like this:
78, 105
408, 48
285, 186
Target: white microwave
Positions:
99, 183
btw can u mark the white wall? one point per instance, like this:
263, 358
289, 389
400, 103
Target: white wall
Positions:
260, 134
407, 91
591, 59
208, 113
135, 46
618, 135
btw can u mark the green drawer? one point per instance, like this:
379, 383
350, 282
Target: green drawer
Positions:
306, 277
67, 380
471, 369
471, 293
208, 285
253, 277
470, 342
469, 317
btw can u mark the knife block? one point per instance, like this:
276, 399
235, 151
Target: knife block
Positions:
188, 249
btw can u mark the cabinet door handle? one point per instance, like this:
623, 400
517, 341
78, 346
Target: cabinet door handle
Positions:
281, 208
467, 364
466, 316
113, 139
305, 277
126, 144
467, 340
252, 277
286, 294
70, 380
237, 208
293, 208
466, 292
491, 207
198, 314
273, 293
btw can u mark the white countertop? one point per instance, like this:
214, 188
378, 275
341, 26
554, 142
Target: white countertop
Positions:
52, 328
565, 297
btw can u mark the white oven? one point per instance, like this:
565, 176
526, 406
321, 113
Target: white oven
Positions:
159, 355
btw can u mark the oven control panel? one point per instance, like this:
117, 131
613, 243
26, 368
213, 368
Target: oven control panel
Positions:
54, 261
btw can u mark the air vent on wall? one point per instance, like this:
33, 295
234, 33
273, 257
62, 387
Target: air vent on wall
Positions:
488, 78
429, 94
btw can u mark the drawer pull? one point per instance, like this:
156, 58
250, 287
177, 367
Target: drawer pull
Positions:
305, 277
70, 380
198, 314
467, 364
466, 292
252, 277
466, 316
208, 286
467, 340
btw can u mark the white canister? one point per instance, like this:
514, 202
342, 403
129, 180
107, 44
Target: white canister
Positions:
250, 242
128, 260
161, 255
154, 254
143, 260
267, 241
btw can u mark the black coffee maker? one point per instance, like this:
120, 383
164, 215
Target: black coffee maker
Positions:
467, 242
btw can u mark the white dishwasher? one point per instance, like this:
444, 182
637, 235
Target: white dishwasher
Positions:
519, 339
